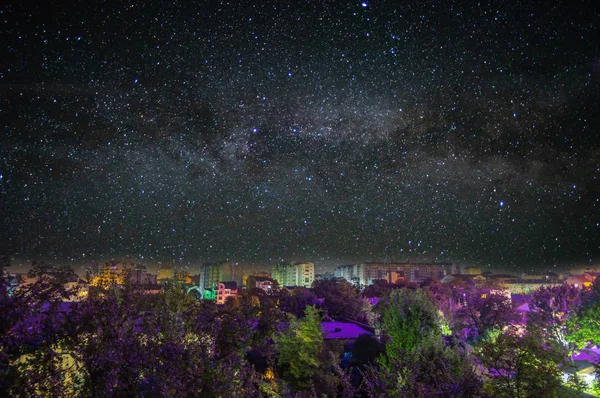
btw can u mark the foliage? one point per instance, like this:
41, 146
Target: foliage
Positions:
409, 318
550, 309
341, 298
519, 364
584, 326
382, 288
299, 347
435, 369
483, 313
418, 360
125, 341
296, 301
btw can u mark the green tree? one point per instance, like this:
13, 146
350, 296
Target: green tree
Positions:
418, 359
584, 326
299, 348
519, 365
409, 318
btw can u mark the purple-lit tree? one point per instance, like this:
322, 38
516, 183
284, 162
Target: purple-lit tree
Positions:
33, 334
341, 299
551, 307
483, 313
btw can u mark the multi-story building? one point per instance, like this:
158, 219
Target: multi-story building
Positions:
224, 290
210, 273
345, 271
297, 273
165, 273
182, 277
472, 271
219, 271
265, 283
118, 272
366, 273
582, 269
246, 277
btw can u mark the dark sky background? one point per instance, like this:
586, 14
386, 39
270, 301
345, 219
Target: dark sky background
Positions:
327, 130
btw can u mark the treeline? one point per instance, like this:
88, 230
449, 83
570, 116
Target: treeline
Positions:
429, 341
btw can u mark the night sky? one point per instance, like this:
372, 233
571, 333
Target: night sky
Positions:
330, 131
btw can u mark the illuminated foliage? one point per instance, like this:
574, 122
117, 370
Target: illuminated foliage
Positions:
484, 313
550, 308
299, 348
409, 319
519, 365
584, 326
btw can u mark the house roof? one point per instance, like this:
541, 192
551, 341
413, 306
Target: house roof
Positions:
341, 330
523, 308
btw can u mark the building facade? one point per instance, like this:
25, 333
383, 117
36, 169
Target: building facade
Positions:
264, 283
165, 273
210, 273
345, 271
366, 273
297, 273
224, 290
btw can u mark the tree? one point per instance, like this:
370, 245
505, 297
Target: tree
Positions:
409, 318
418, 360
296, 302
583, 327
299, 348
341, 299
485, 313
380, 288
519, 365
550, 308
33, 332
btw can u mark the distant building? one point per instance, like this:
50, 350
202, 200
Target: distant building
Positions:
215, 272
182, 277
462, 280
472, 271
583, 280
165, 273
324, 276
366, 273
542, 276
120, 272
298, 273
264, 283
224, 290
582, 269
265, 274
514, 284
345, 271
395, 277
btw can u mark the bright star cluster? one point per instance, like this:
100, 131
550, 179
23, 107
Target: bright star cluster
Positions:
333, 131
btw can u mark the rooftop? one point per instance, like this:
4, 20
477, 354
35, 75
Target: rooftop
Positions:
342, 330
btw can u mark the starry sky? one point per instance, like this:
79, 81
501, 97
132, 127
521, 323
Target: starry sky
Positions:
332, 131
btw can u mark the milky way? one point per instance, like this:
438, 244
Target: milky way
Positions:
330, 131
